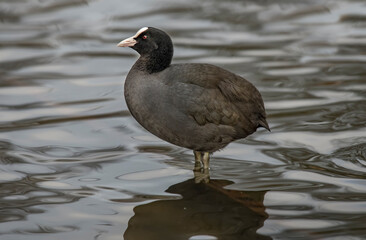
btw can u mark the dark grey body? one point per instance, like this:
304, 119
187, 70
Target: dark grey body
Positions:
197, 106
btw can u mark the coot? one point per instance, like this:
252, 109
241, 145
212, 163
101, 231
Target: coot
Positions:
197, 106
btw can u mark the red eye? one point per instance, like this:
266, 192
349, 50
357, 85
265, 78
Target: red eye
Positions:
144, 37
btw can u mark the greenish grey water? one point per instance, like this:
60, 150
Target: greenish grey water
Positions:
75, 165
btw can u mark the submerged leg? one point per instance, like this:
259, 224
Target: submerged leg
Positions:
206, 160
202, 176
201, 167
198, 160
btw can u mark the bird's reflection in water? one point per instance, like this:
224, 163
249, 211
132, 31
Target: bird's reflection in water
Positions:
206, 208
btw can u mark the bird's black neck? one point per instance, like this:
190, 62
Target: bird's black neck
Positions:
155, 61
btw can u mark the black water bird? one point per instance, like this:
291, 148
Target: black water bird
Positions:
197, 106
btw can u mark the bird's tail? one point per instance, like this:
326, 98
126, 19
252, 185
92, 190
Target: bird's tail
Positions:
263, 123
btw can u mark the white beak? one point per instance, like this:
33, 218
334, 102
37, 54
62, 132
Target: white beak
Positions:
128, 42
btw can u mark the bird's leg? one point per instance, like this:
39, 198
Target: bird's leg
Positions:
202, 159
198, 160
206, 160
202, 176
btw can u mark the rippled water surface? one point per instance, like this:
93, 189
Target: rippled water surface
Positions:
75, 165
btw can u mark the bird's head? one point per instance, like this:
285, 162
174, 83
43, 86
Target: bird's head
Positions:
148, 40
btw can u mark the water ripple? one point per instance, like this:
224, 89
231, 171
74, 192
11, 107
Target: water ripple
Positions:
69, 147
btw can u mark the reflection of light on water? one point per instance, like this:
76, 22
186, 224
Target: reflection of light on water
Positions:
146, 175
273, 226
56, 185
334, 58
23, 90
292, 71
264, 53
356, 207
324, 143
350, 165
9, 177
53, 135
357, 185
323, 98
34, 113
274, 198
96, 82
203, 237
